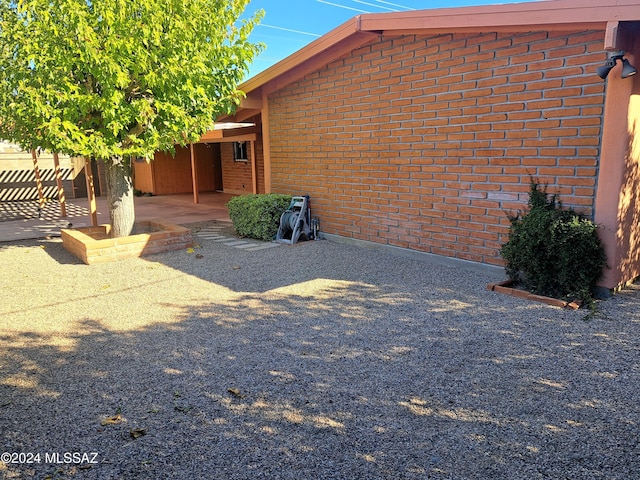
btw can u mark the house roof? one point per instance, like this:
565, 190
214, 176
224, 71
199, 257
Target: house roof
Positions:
518, 17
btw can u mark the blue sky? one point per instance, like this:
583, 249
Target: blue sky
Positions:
289, 25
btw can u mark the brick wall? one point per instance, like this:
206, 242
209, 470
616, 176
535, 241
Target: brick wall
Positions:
237, 175
425, 142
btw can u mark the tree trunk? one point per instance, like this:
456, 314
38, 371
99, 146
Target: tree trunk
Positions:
120, 196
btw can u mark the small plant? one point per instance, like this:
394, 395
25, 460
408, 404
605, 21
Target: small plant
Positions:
258, 216
553, 251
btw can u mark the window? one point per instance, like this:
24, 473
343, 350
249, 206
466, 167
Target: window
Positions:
240, 152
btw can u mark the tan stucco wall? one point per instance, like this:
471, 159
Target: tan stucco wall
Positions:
17, 178
618, 196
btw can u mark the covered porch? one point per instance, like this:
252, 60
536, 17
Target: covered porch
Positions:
228, 159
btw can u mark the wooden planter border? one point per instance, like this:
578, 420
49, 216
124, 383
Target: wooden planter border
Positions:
506, 288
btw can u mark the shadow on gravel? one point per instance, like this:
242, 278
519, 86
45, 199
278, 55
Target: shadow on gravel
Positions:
316, 362
343, 380
52, 246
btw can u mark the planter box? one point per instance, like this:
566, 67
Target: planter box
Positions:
507, 288
94, 245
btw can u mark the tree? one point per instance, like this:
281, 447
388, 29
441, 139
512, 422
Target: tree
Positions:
119, 79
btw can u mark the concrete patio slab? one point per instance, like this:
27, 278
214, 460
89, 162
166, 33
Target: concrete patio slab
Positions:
176, 209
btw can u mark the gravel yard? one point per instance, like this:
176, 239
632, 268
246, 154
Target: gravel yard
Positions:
315, 361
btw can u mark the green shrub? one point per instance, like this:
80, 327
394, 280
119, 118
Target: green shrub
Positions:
258, 216
553, 251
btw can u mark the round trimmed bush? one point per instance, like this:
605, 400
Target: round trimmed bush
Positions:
258, 216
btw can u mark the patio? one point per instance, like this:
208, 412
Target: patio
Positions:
19, 220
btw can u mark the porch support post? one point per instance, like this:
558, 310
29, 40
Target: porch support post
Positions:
254, 173
266, 144
91, 193
61, 198
36, 170
194, 175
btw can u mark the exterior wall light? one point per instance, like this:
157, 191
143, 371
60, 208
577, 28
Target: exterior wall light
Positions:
628, 70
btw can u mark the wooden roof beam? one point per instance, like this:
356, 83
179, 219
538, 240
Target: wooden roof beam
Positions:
620, 35
244, 114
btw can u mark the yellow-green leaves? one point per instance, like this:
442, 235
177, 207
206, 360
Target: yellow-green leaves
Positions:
119, 78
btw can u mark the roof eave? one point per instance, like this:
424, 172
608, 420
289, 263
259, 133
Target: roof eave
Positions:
514, 17
313, 49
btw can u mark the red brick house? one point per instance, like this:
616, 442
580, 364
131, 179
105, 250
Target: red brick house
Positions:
421, 129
